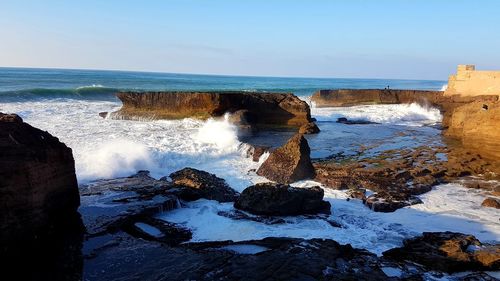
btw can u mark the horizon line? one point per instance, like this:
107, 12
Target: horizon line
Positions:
220, 75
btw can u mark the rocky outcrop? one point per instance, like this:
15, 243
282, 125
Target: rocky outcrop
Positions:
448, 252
309, 128
350, 97
192, 184
273, 199
289, 163
260, 109
38, 187
477, 125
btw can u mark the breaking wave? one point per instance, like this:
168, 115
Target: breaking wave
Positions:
398, 114
91, 92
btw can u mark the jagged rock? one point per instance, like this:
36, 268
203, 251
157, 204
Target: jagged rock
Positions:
309, 128
193, 184
387, 202
265, 109
282, 200
256, 151
38, 187
103, 114
491, 203
448, 252
289, 163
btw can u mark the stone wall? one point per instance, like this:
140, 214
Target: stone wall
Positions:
470, 82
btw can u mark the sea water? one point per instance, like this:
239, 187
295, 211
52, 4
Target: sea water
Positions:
66, 103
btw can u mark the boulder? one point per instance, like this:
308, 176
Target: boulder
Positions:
309, 128
256, 151
289, 163
282, 200
491, 202
37, 179
346, 121
265, 109
448, 252
193, 184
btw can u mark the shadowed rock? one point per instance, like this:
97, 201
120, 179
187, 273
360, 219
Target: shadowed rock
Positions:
38, 185
289, 163
282, 200
194, 184
491, 203
309, 128
448, 252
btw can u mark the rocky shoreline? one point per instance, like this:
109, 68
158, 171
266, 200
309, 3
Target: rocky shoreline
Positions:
126, 239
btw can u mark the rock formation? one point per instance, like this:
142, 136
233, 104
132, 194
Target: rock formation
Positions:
491, 203
38, 187
273, 199
194, 184
261, 109
477, 125
448, 252
350, 97
289, 163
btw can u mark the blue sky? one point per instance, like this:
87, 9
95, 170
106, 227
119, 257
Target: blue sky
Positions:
353, 38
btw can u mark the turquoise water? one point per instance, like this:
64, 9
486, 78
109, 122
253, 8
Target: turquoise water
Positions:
29, 83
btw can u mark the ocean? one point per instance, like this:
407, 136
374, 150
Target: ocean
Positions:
66, 103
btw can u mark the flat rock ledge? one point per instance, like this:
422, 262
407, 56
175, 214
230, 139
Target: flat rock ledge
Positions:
257, 109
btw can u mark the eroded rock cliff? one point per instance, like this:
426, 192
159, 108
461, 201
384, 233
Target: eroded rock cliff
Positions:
262, 109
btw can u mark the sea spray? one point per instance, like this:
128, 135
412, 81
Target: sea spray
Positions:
114, 158
220, 133
399, 114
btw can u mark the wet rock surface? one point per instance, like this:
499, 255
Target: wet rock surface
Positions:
192, 184
346, 121
282, 200
491, 203
289, 163
448, 252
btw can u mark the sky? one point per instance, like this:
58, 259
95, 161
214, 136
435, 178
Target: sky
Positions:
406, 39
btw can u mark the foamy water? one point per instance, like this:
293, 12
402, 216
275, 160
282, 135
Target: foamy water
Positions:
105, 148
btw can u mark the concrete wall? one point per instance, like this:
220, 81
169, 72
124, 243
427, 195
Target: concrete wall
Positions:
470, 82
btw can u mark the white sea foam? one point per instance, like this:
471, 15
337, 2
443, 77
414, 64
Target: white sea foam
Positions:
444, 87
399, 114
90, 86
220, 133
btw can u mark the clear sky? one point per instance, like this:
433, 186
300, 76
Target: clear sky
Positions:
415, 39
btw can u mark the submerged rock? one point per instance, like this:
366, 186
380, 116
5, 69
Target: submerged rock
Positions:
193, 184
38, 187
346, 121
282, 200
448, 252
289, 163
256, 151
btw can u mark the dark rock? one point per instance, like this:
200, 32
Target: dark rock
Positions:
491, 203
282, 200
193, 184
103, 114
385, 202
344, 120
448, 252
309, 128
272, 259
38, 187
289, 163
